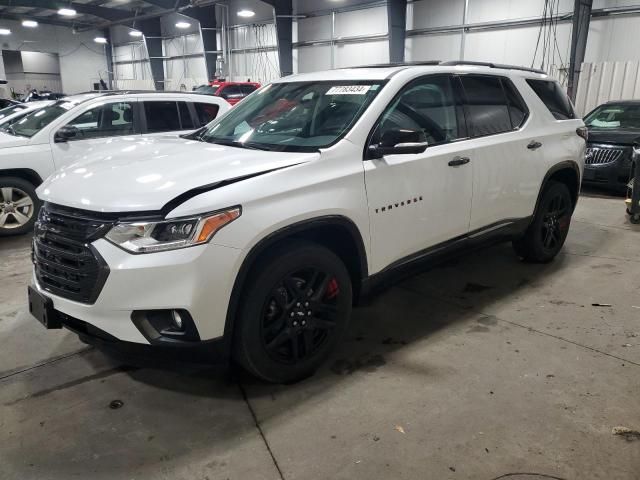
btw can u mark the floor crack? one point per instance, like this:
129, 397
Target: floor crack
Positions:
5, 375
257, 424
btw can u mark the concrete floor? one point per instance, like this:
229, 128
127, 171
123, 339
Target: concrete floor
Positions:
484, 368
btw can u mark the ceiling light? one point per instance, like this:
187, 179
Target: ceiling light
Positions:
246, 13
100, 40
29, 23
135, 33
183, 24
5, 31
67, 12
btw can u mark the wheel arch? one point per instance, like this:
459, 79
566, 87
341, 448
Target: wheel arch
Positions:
338, 233
24, 173
567, 172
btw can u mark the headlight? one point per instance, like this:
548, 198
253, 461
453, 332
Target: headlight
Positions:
148, 237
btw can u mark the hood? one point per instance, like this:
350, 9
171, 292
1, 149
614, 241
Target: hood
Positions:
614, 135
7, 140
148, 174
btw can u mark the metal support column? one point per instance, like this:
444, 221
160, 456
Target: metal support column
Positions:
108, 52
397, 18
581, 21
153, 41
206, 16
283, 10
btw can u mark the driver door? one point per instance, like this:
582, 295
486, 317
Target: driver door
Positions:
94, 128
417, 201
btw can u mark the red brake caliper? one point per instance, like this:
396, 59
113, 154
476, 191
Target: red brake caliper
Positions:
332, 289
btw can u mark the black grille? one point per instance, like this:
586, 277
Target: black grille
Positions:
602, 156
65, 262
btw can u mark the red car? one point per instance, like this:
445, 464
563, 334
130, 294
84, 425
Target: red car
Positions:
232, 92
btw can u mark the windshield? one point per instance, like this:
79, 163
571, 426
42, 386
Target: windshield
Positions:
208, 89
614, 116
296, 116
36, 121
5, 112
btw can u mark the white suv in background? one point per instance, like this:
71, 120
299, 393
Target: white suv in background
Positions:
254, 236
62, 132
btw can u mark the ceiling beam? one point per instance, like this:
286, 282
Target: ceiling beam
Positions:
167, 4
111, 14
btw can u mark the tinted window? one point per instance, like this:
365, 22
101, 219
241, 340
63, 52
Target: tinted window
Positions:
554, 98
161, 117
428, 105
108, 120
486, 104
232, 91
185, 116
205, 113
517, 108
247, 89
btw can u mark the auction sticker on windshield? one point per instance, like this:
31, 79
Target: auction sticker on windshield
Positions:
349, 90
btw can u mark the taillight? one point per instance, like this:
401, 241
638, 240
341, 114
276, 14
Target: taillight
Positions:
583, 132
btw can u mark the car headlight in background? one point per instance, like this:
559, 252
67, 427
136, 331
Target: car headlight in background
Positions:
159, 236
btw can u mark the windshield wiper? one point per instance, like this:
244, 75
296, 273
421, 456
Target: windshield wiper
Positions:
235, 143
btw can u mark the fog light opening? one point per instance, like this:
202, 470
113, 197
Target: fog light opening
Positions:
178, 323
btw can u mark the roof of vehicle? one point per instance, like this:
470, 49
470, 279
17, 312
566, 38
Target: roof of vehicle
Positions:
385, 71
622, 102
224, 82
83, 97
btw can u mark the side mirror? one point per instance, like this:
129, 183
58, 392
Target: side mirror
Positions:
65, 133
399, 142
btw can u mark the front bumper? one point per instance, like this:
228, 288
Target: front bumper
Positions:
197, 280
611, 175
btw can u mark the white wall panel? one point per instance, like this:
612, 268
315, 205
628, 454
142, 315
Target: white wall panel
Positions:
444, 46
314, 28
313, 59
353, 54
604, 81
361, 22
613, 38
434, 13
492, 10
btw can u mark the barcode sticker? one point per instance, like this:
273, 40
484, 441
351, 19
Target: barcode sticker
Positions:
349, 90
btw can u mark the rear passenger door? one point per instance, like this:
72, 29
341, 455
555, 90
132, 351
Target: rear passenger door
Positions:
506, 172
166, 116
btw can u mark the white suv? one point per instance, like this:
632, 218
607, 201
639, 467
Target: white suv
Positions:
254, 236
34, 145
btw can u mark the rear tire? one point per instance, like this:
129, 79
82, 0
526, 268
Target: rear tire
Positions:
548, 231
19, 206
294, 310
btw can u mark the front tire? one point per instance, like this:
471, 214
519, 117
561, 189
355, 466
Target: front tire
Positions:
294, 310
19, 206
548, 231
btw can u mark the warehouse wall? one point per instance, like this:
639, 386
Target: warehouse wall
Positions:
82, 62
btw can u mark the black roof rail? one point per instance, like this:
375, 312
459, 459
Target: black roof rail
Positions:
399, 64
453, 63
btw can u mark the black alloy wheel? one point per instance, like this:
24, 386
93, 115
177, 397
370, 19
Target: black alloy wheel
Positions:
293, 311
548, 230
299, 314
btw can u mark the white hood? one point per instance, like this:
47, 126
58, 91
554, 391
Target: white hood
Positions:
7, 140
145, 174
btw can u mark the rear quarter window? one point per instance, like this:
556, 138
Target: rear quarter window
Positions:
555, 99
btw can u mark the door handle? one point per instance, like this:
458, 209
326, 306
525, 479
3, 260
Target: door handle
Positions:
457, 161
533, 145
